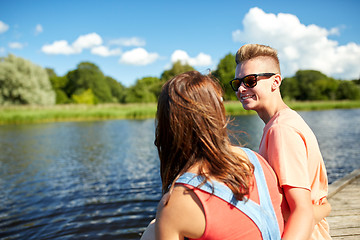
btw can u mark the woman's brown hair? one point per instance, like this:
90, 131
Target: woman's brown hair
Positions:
191, 129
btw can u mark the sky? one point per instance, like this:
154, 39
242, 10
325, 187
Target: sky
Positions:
129, 40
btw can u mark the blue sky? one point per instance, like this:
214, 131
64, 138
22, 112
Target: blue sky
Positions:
129, 40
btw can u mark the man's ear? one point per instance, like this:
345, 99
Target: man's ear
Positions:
277, 82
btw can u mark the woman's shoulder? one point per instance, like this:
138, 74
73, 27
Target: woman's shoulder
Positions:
183, 211
181, 196
238, 150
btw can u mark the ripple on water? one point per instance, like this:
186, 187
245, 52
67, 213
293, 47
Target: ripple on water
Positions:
100, 180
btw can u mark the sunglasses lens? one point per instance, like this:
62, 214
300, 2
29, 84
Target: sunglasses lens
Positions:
250, 81
235, 84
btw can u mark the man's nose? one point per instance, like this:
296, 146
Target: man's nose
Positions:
242, 87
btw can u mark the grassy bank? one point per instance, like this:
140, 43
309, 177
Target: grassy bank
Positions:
36, 114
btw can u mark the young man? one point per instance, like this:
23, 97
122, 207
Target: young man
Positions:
287, 143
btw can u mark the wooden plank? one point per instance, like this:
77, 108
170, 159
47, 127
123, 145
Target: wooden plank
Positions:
344, 219
351, 211
345, 231
338, 185
354, 237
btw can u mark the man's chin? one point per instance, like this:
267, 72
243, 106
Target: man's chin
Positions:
246, 107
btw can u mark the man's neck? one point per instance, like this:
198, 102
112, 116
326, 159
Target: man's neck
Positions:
267, 113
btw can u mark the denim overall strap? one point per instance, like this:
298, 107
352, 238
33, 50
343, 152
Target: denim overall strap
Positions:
267, 209
263, 216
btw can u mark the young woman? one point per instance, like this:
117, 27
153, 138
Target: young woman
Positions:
212, 190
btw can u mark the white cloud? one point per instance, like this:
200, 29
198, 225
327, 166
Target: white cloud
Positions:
105, 51
2, 50
334, 31
201, 59
3, 27
38, 29
138, 56
300, 46
128, 42
83, 42
87, 41
58, 47
16, 45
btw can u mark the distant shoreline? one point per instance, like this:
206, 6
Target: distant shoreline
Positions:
57, 113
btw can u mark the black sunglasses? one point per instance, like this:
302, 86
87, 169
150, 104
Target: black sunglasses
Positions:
250, 80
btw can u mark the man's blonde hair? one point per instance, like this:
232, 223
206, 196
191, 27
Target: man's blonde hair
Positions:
250, 51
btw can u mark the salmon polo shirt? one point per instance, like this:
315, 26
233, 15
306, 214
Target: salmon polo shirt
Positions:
292, 150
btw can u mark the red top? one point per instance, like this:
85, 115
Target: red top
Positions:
224, 221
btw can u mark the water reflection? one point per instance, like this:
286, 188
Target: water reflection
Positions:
338, 133
78, 180
246, 130
100, 180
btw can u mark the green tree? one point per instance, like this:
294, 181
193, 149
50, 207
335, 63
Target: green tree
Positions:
176, 69
327, 88
59, 84
348, 90
225, 72
61, 97
118, 91
145, 90
290, 89
51, 73
22, 82
85, 97
356, 81
89, 76
308, 88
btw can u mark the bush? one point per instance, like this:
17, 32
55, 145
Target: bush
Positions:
22, 82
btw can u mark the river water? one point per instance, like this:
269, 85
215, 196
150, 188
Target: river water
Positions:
100, 180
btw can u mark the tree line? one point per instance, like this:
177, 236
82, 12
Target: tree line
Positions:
22, 82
